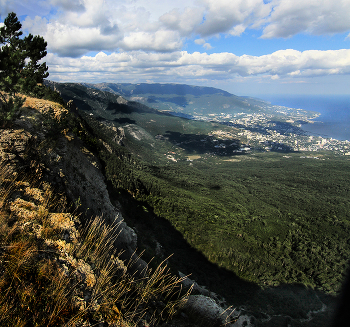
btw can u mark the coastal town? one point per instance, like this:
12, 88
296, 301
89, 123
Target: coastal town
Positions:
280, 131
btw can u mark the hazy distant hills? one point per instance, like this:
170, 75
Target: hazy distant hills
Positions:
183, 98
91, 99
149, 112
145, 128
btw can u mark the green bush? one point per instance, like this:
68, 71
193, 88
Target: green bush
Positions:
10, 109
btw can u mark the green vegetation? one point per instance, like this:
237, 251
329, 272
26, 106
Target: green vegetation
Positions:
269, 218
268, 231
20, 70
263, 221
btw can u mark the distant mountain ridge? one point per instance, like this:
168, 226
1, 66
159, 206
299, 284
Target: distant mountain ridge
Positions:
181, 100
187, 99
129, 89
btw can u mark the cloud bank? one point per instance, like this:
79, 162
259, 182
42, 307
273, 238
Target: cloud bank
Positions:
147, 40
184, 66
75, 27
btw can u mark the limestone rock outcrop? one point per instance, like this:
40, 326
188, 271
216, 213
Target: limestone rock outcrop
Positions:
67, 164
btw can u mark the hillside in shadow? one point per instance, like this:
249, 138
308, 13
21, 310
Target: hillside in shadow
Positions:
269, 307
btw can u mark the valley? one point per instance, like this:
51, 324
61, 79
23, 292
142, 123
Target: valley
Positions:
274, 216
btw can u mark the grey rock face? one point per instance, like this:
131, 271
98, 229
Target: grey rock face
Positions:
122, 100
81, 172
72, 169
14, 145
204, 311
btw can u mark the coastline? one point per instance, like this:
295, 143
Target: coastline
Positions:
335, 130
334, 119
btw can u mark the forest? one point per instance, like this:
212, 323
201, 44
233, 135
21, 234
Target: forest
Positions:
268, 217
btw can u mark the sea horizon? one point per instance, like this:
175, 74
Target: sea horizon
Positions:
334, 119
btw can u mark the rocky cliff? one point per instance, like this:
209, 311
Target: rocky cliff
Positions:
67, 258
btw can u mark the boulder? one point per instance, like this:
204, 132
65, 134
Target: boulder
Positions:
204, 311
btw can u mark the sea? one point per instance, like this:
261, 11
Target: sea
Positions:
334, 119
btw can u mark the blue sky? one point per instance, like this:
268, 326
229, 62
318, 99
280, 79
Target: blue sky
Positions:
247, 47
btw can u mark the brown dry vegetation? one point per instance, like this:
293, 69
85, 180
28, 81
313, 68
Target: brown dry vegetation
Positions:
54, 272
46, 106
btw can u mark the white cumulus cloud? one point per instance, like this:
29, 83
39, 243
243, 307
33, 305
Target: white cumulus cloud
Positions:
313, 16
161, 25
183, 21
223, 15
203, 43
158, 41
181, 66
72, 41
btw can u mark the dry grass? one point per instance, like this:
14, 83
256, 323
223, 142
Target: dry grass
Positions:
29, 279
37, 289
122, 297
46, 106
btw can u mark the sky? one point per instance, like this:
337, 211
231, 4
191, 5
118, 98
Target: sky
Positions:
246, 47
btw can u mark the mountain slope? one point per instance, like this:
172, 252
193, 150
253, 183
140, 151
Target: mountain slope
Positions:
250, 218
60, 265
187, 99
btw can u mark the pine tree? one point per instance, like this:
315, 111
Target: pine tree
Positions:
20, 70
34, 73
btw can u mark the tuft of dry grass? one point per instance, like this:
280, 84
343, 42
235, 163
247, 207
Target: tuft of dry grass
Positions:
122, 297
46, 106
50, 279
30, 280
